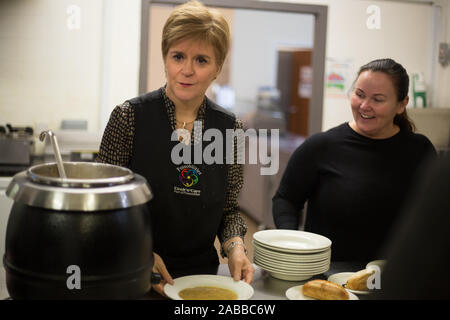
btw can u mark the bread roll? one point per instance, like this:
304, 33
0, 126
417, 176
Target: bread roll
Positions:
324, 290
358, 281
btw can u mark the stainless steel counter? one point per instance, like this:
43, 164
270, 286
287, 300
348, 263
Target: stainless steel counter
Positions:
265, 287
268, 288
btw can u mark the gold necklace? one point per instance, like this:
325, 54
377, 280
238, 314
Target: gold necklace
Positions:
184, 135
184, 123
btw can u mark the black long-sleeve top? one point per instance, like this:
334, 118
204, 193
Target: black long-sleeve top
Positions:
354, 187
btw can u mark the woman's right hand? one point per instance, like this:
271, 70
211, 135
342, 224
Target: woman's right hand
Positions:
160, 267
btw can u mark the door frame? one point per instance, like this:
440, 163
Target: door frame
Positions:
320, 13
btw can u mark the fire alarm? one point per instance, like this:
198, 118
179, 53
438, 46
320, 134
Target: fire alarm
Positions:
444, 54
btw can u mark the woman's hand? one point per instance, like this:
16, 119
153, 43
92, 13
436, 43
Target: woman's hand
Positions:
160, 267
240, 266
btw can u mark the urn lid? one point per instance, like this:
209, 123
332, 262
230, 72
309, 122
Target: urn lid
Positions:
87, 187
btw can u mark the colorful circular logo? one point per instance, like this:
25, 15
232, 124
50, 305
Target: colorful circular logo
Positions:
188, 177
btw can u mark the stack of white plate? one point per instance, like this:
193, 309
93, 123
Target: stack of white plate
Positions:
291, 255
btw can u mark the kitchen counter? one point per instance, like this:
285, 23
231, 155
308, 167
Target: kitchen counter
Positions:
7, 171
3, 292
265, 287
268, 288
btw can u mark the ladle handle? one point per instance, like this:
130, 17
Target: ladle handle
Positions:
59, 162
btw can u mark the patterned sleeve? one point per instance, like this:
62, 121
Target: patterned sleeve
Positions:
233, 225
117, 141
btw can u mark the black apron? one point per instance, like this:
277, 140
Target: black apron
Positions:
189, 199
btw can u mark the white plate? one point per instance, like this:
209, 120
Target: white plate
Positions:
284, 277
291, 257
279, 249
278, 270
318, 259
295, 293
290, 265
299, 266
292, 240
243, 289
341, 279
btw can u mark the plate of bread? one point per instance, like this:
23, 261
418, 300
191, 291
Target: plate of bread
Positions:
355, 282
320, 290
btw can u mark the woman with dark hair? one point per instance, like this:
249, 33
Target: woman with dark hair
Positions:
356, 176
400, 81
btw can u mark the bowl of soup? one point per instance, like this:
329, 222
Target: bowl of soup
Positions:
208, 287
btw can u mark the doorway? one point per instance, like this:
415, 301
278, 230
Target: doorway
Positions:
155, 12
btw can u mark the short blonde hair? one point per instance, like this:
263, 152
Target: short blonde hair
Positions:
193, 20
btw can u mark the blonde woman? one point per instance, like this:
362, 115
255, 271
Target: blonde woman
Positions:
193, 202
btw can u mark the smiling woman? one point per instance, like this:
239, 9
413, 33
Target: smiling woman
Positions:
374, 107
379, 100
357, 176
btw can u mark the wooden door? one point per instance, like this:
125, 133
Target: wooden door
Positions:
295, 85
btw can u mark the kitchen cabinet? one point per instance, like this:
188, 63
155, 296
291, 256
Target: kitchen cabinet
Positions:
434, 123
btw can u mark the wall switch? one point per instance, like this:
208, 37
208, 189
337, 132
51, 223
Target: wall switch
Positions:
444, 54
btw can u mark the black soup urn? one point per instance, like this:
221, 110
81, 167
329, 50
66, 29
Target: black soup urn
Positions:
86, 236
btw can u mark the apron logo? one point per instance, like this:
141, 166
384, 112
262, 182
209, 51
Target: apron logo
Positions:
188, 177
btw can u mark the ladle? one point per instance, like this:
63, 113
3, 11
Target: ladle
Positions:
59, 162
